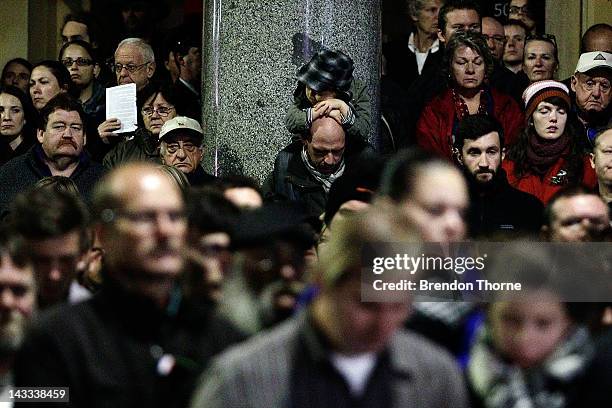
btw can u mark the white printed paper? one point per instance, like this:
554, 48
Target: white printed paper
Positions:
121, 104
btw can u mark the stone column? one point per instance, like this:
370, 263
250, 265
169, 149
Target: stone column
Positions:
252, 50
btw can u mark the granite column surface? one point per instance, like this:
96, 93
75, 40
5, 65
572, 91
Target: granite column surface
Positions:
252, 50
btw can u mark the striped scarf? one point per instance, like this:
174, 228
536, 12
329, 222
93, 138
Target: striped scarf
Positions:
326, 180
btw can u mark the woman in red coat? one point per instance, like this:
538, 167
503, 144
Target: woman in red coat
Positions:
469, 63
547, 156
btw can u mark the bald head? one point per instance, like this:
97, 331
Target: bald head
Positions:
326, 125
141, 224
597, 38
125, 182
494, 32
325, 146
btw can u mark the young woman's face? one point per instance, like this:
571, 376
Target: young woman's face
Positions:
12, 116
468, 68
80, 65
43, 86
528, 330
549, 120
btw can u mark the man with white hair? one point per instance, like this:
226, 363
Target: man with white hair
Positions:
591, 83
134, 63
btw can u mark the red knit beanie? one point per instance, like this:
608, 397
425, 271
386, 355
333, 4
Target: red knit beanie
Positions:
542, 90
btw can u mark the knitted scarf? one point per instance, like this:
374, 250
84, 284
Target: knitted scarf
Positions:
326, 180
461, 108
500, 384
543, 153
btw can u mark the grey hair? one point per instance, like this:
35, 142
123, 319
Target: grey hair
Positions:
147, 51
469, 39
414, 6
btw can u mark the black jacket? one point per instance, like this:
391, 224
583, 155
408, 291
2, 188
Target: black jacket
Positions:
402, 64
188, 103
290, 180
24, 171
110, 350
501, 211
199, 178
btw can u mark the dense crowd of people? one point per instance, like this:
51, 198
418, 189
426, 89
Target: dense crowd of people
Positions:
133, 277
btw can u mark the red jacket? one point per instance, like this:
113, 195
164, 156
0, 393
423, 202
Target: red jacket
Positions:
435, 126
542, 187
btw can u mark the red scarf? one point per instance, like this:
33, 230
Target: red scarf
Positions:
543, 153
461, 108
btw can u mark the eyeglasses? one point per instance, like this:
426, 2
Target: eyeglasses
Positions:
162, 111
150, 218
517, 9
497, 38
131, 68
81, 62
542, 37
186, 146
588, 84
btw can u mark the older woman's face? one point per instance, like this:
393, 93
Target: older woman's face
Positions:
468, 68
549, 120
43, 86
155, 112
539, 60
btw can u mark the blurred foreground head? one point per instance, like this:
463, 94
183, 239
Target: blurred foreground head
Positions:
351, 325
429, 193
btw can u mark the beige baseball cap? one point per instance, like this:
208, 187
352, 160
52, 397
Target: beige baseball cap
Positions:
594, 59
188, 125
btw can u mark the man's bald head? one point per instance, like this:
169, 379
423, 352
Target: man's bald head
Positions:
494, 32
325, 145
123, 182
141, 225
597, 38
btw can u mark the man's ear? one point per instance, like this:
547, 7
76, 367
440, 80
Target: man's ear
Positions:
96, 70
441, 36
503, 154
40, 135
573, 82
413, 17
151, 69
592, 159
458, 155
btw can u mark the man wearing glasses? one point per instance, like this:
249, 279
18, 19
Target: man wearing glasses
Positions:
502, 78
137, 341
180, 146
591, 83
134, 63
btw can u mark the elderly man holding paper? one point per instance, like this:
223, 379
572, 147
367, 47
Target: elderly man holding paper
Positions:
134, 63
